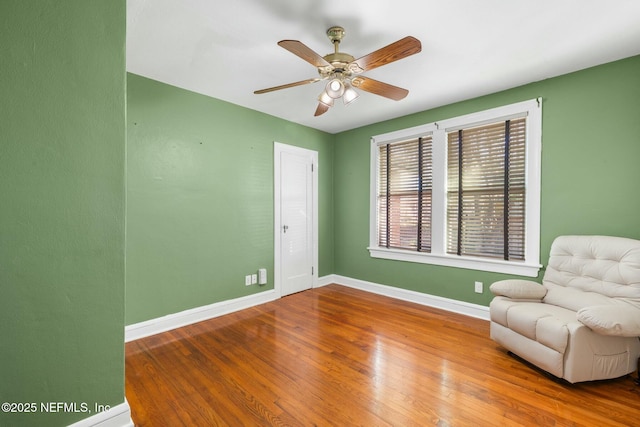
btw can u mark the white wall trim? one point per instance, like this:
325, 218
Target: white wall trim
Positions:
455, 306
194, 315
325, 280
118, 416
456, 261
198, 314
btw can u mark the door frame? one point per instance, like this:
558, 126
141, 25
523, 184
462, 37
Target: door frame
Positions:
278, 148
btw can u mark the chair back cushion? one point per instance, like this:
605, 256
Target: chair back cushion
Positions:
590, 270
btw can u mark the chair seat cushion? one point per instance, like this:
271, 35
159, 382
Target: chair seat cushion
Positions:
547, 324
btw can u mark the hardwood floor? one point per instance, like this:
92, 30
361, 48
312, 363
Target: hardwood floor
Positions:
335, 356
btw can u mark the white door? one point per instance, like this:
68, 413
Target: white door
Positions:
295, 219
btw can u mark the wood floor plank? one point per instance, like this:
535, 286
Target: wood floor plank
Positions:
340, 356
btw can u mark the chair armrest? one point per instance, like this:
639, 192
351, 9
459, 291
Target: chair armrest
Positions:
616, 320
517, 289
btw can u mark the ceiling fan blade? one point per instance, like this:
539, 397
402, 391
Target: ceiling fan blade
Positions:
379, 88
303, 51
393, 52
302, 82
322, 108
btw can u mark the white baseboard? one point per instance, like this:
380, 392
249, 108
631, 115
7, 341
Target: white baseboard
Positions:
325, 280
198, 314
194, 315
455, 306
118, 416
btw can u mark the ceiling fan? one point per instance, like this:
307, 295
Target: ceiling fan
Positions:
343, 71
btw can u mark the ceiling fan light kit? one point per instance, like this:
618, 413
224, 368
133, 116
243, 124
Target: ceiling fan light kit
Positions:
336, 89
341, 69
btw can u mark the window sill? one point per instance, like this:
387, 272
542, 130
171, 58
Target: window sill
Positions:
482, 264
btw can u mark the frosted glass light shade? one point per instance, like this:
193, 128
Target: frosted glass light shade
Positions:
325, 98
335, 88
349, 95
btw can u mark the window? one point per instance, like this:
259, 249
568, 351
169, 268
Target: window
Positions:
463, 192
404, 206
486, 191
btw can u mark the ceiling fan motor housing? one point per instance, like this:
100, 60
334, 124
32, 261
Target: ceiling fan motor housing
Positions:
339, 60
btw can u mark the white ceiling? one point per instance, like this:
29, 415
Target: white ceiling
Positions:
227, 49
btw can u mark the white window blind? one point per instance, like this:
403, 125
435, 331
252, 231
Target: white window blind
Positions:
486, 190
405, 196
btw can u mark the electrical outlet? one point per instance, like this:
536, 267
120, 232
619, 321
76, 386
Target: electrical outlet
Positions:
478, 287
262, 276
254, 279
247, 280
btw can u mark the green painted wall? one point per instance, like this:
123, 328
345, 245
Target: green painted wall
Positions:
590, 174
200, 190
62, 151
200, 198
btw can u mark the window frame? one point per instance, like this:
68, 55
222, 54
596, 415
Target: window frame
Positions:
530, 267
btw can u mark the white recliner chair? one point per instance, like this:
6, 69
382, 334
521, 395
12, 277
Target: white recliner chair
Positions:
583, 322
